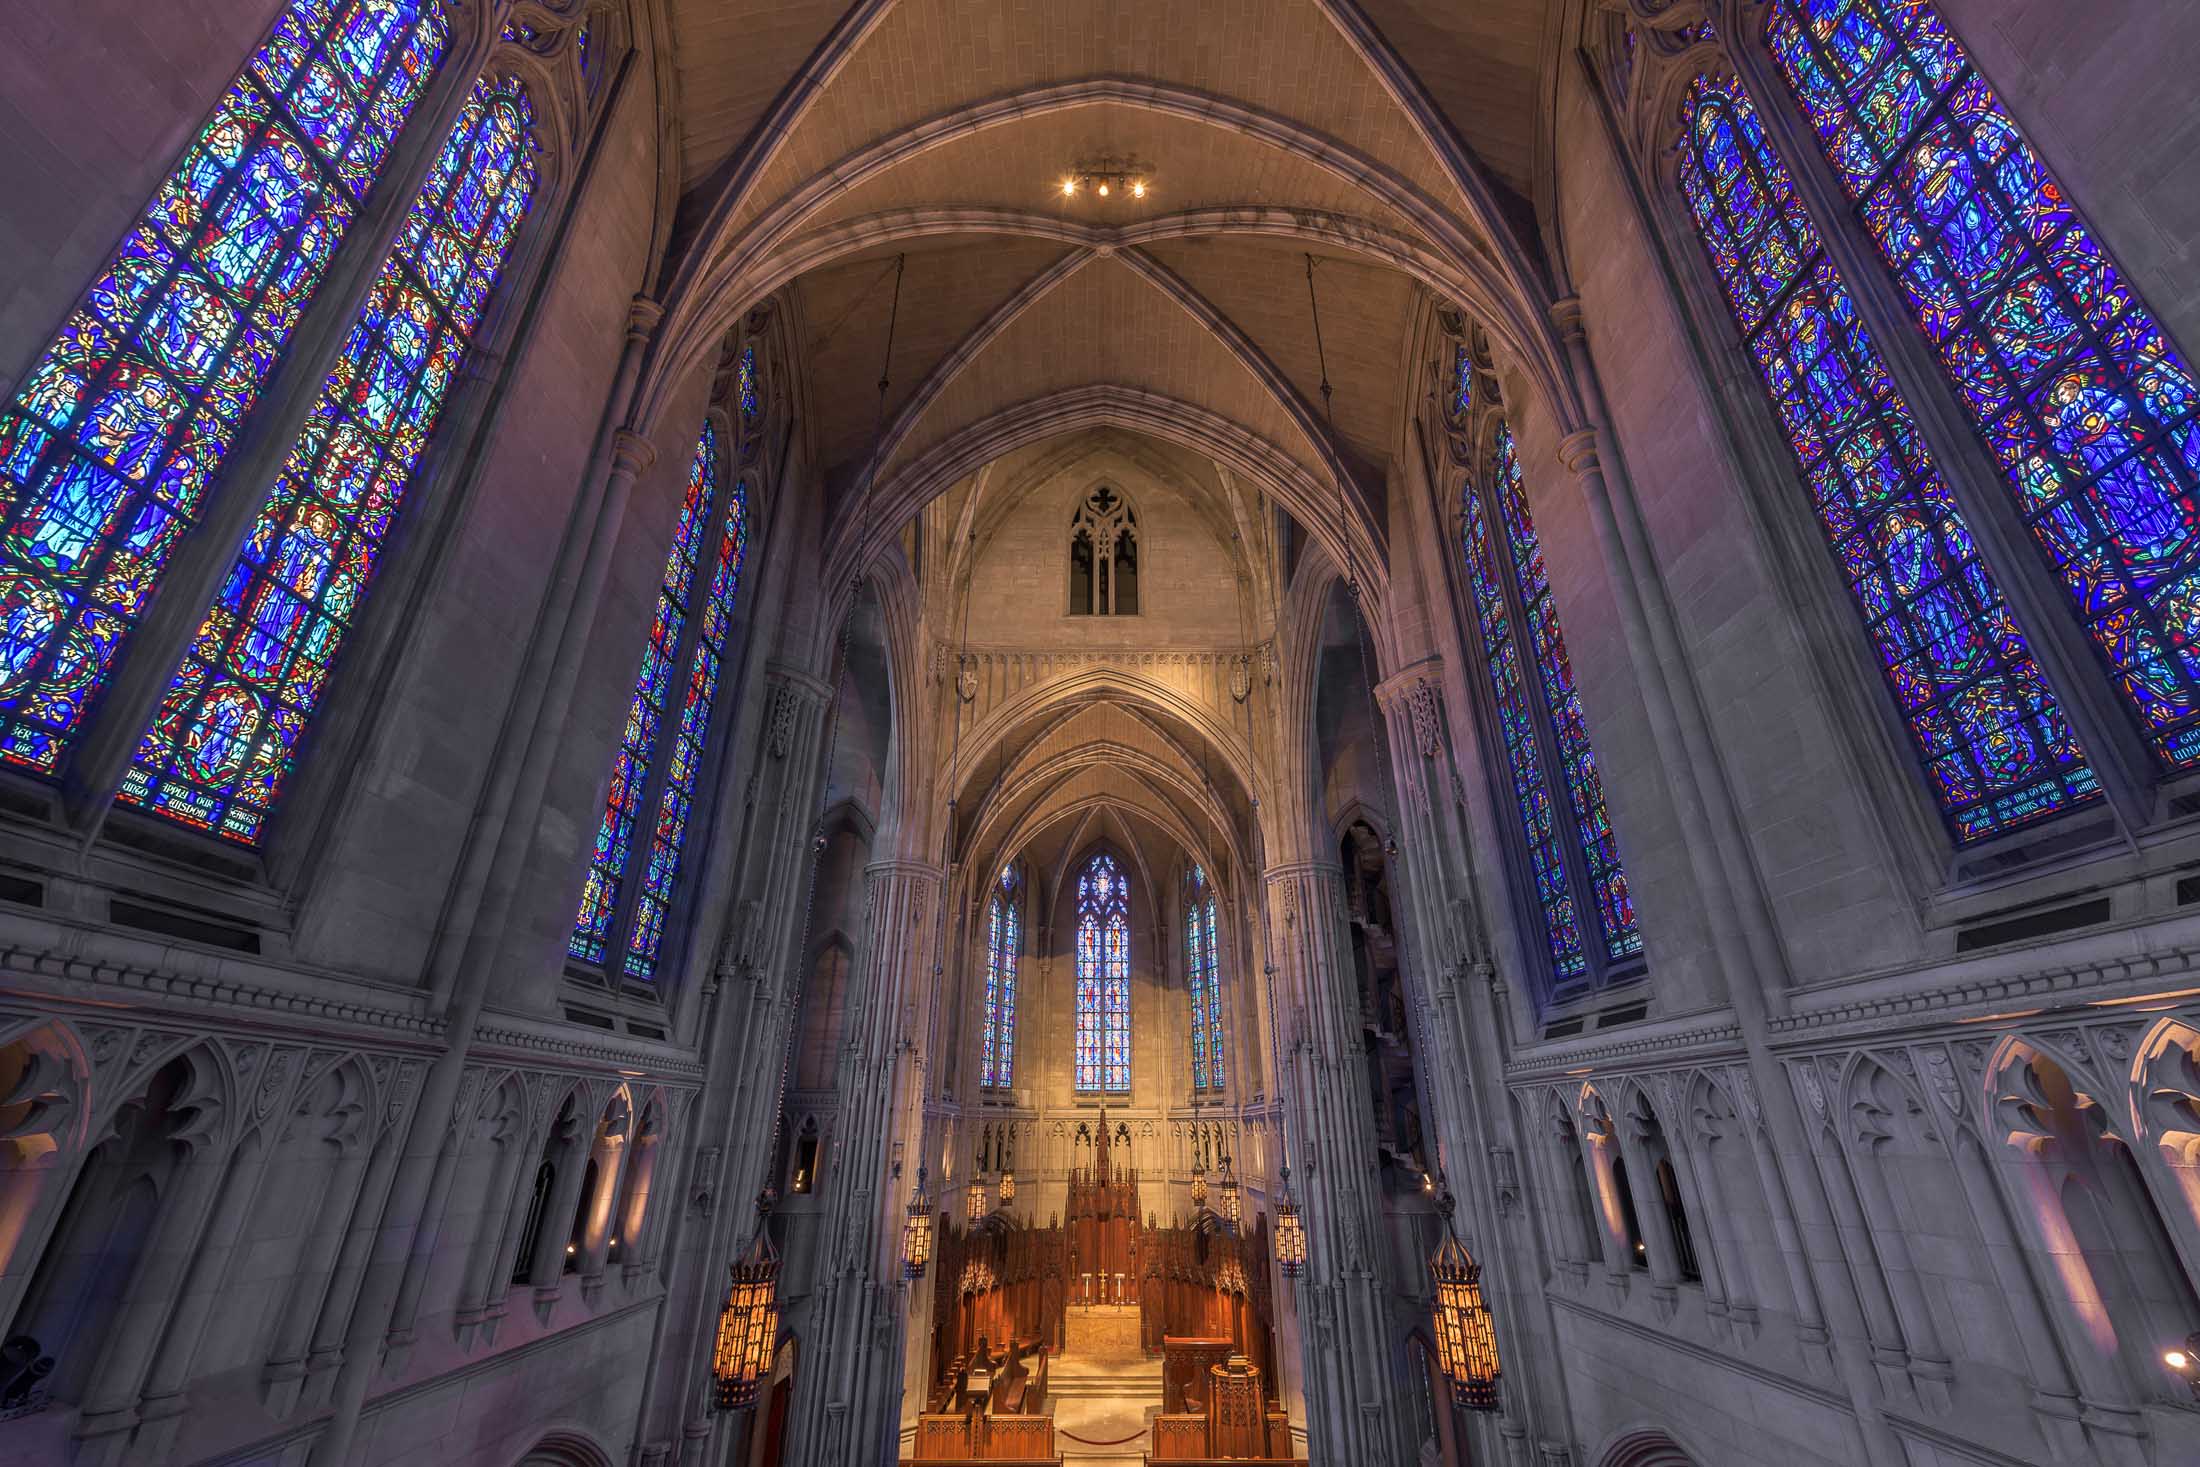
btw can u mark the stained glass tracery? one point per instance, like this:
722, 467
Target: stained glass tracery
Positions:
226, 734
1103, 1047
2068, 378
121, 426
1203, 968
997, 1059
1992, 737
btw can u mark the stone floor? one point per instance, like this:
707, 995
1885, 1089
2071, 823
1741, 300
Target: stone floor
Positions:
1103, 1391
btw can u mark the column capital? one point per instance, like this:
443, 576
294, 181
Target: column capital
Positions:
1565, 314
1578, 452
903, 867
643, 316
631, 453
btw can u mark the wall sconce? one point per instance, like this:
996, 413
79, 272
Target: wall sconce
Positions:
2184, 1360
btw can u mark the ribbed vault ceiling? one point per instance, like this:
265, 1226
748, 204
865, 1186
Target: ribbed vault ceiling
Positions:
820, 141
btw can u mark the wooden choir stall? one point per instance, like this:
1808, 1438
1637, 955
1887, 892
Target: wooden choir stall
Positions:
1010, 1299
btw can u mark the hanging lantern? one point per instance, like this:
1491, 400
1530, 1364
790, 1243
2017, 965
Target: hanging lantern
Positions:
916, 1234
1290, 1233
1466, 1339
1199, 1185
1232, 1206
975, 1198
1008, 1186
748, 1330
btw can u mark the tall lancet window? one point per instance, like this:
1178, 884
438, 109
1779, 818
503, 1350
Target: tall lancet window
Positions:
1572, 855
1203, 977
2067, 377
997, 1058
1103, 556
1993, 740
1103, 979
109, 449
662, 753
226, 735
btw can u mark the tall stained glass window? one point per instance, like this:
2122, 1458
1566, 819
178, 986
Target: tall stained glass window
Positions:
997, 1061
1203, 973
121, 425
1532, 683
1103, 978
1995, 745
682, 634
225, 737
2067, 376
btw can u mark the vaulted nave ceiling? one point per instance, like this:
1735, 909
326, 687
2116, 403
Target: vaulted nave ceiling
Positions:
819, 142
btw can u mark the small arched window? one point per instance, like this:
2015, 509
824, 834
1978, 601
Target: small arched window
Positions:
1103, 556
1103, 1055
997, 1060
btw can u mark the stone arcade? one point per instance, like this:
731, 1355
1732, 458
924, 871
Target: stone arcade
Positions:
1358, 732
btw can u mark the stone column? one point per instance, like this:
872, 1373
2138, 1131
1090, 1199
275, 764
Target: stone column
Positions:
847, 1393
398, 1347
754, 997
1351, 1394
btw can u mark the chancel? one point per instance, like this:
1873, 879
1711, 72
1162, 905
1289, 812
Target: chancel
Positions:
1095, 733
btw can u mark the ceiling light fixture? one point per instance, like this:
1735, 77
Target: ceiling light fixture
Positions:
1107, 177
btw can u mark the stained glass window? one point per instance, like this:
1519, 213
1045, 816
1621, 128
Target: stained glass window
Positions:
1462, 384
1995, 745
226, 734
997, 1063
107, 452
746, 390
1203, 971
2066, 374
1515, 563
680, 635
1103, 978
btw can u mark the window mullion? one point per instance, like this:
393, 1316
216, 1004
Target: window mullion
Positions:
2126, 769
201, 562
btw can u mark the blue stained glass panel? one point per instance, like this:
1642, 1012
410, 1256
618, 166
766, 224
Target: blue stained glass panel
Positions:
1531, 787
1993, 740
690, 742
997, 1062
2067, 376
120, 427
1607, 877
1103, 1033
225, 737
1203, 979
653, 685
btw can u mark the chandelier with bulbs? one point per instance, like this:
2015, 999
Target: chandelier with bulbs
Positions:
1107, 178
